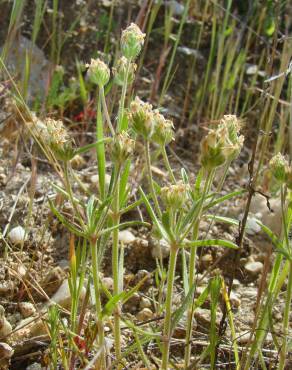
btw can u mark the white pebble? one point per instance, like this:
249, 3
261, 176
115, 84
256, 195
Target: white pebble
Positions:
126, 237
145, 314
17, 235
254, 268
27, 309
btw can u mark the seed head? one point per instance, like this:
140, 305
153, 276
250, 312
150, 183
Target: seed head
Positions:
122, 147
280, 168
163, 129
174, 196
233, 126
212, 153
98, 72
132, 40
233, 140
53, 134
121, 70
141, 117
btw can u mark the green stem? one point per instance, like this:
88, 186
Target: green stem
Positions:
263, 324
167, 164
192, 268
107, 117
283, 353
116, 274
123, 97
97, 301
168, 307
151, 184
70, 193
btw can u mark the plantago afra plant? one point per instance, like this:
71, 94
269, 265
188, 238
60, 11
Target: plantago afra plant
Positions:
282, 270
175, 206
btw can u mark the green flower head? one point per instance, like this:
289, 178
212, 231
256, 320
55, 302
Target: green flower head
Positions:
163, 129
98, 72
280, 168
141, 118
132, 40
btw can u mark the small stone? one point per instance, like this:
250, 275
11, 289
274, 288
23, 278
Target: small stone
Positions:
6, 352
21, 270
27, 309
132, 303
126, 237
160, 248
236, 283
269, 339
6, 286
206, 260
145, 303
63, 296
5, 326
77, 162
145, 314
95, 180
53, 280
252, 226
17, 235
108, 283
203, 317
254, 268
243, 338
234, 300
144, 274
180, 332
34, 366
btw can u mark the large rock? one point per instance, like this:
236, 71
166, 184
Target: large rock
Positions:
272, 219
39, 68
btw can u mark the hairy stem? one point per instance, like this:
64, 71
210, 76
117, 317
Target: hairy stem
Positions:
168, 307
151, 184
192, 268
95, 277
115, 269
123, 97
283, 353
106, 113
167, 165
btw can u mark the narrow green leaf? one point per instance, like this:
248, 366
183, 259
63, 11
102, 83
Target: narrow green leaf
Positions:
123, 183
153, 217
100, 149
226, 220
212, 242
224, 198
86, 148
178, 314
274, 239
111, 305
90, 208
65, 222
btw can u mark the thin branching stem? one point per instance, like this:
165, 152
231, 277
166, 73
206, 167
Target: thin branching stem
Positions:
168, 307
115, 269
123, 96
150, 177
167, 165
192, 266
106, 113
95, 276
